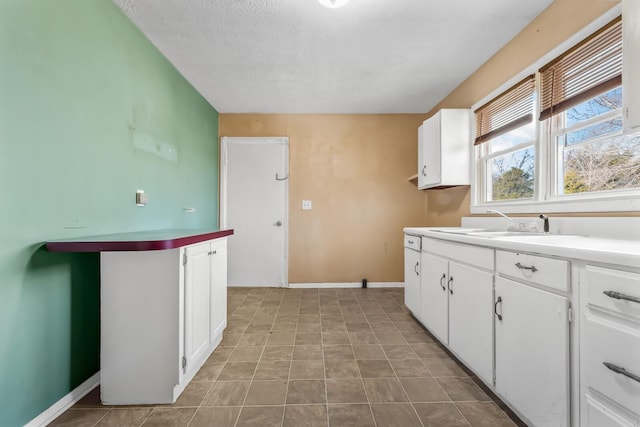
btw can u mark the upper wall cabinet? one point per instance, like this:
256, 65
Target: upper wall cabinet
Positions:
444, 149
631, 65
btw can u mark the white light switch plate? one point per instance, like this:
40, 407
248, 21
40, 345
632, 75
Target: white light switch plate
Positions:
306, 205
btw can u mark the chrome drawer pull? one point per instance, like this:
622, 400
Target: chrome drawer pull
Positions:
442, 282
449, 284
620, 295
410, 242
416, 268
618, 370
524, 267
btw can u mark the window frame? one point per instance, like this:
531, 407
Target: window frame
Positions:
544, 199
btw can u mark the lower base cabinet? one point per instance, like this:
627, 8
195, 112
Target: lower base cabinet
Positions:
470, 318
162, 314
456, 308
532, 352
610, 346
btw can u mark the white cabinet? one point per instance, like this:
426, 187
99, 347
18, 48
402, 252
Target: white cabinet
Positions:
457, 301
162, 314
444, 149
412, 293
435, 297
218, 274
532, 339
470, 318
610, 346
205, 299
197, 295
631, 65
532, 352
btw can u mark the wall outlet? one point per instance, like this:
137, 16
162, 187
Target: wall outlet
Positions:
306, 205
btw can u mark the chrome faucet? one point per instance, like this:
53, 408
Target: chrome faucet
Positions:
546, 222
511, 224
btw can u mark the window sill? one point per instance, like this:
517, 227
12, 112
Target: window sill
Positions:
621, 202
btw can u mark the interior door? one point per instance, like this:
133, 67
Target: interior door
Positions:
254, 202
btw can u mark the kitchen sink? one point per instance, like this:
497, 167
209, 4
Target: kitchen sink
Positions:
516, 235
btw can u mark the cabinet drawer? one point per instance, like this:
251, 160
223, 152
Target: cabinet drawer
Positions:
626, 287
550, 272
618, 345
468, 254
598, 415
412, 242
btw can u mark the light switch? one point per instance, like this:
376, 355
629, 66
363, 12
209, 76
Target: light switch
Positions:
306, 205
141, 198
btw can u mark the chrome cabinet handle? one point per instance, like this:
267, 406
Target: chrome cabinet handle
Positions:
423, 170
620, 370
278, 223
449, 284
620, 295
524, 267
442, 282
410, 242
495, 308
416, 268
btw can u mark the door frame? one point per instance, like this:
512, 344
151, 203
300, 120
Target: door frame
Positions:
224, 143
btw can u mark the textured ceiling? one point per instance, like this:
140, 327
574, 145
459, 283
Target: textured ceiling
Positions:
296, 56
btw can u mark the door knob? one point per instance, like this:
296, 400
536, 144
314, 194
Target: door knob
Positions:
278, 223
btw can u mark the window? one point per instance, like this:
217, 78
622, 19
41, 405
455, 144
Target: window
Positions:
561, 144
506, 135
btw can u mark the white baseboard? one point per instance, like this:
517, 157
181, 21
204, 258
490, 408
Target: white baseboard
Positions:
346, 285
66, 402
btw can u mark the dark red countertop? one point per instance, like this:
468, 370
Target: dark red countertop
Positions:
153, 240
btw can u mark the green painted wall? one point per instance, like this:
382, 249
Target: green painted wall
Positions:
90, 111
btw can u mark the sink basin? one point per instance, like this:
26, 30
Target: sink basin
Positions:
461, 230
534, 237
502, 234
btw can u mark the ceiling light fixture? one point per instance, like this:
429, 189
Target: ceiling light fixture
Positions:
333, 4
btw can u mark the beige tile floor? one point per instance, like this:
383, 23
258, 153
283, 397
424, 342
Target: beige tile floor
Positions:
329, 357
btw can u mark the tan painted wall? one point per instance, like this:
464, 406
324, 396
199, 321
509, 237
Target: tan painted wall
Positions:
558, 22
354, 168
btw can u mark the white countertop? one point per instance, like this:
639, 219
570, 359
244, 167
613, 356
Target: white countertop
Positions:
595, 249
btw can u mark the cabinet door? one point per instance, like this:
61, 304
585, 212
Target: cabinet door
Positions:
631, 65
471, 318
422, 166
432, 150
532, 352
412, 281
218, 287
196, 303
435, 297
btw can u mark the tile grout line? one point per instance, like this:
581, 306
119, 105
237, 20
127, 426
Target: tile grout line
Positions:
375, 423
257, 363
286, 393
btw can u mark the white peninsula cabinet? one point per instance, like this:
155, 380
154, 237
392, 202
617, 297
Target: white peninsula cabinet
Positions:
205, 299
163, 309
531, 311
457, 298
444, 149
